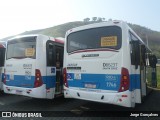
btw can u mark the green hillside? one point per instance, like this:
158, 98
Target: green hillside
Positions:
32, 32
152, 36
60, 30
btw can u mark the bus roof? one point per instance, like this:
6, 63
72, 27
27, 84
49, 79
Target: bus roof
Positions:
2, 44
20, 36
94, 25
58, 40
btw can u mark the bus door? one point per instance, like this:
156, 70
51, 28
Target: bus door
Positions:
50, 69
143, 70
135, 70
54, 67
59, 67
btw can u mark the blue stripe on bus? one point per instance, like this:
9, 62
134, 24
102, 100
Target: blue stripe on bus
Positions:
102, 81
28, 82
50, 81
134, 82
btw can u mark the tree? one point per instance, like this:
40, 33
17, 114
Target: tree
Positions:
99, 19
110, 19
94, 18
86, 19
103, 19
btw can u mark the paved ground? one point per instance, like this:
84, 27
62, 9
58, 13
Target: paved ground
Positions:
62, 108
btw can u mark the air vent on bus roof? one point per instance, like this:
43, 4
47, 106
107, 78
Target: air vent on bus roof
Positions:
116, 21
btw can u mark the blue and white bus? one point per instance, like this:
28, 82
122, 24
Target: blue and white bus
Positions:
2, 60
33, 66
105, 62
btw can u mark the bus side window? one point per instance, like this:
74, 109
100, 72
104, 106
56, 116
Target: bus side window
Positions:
135, 51
143, 54
61, 60
59, 55
50, 54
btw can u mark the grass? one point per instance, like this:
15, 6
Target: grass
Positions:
158, 77
149, 76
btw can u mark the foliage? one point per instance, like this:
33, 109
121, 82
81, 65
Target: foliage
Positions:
158, 77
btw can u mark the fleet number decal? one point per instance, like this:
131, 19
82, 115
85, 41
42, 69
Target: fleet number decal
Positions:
110, 66
111, 78
28, 74
111, 84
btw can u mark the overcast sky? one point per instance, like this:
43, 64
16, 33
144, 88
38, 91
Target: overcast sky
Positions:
17, 16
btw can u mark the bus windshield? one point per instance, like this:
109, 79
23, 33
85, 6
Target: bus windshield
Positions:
22, 48
95, 38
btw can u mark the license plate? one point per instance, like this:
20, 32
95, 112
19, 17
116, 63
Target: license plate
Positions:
18, 91
90, 86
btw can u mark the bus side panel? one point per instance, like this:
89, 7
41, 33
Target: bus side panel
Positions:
134, 82
21, 80
51, 82
135, 88
20, 73
102, 72
96, 81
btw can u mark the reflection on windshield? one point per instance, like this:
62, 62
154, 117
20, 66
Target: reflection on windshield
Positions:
19, 49
101, 37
